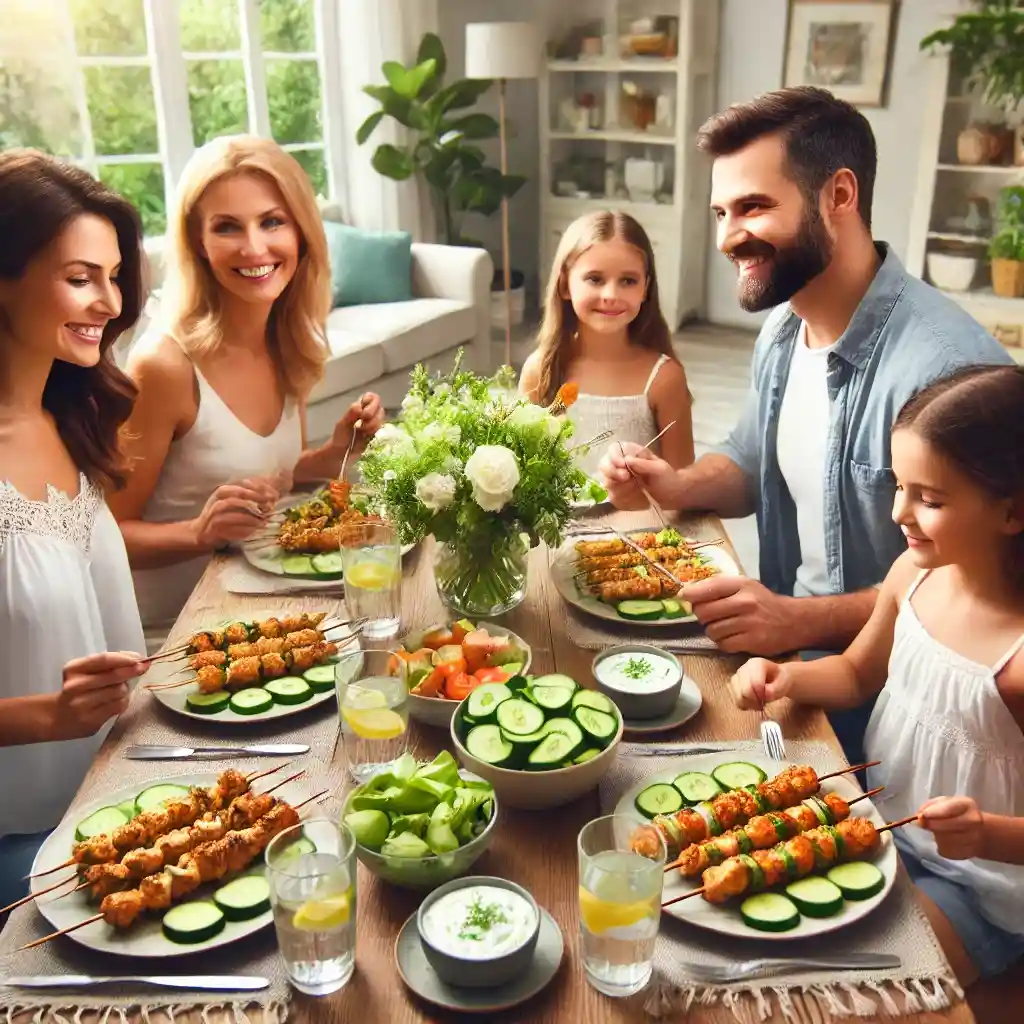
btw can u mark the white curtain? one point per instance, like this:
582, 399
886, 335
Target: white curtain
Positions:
371, 32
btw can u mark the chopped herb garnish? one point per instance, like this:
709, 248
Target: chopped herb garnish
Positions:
479, 919
637, 668
640, 570
669, 538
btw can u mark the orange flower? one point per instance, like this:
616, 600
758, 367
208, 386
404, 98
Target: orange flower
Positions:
567, 394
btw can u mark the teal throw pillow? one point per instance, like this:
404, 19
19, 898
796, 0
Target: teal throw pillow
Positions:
369, 266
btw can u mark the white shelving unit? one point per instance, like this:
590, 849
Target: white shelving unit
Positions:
943, 189
593, 159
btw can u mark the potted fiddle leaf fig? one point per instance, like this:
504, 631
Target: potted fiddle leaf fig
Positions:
441, 132
1007, 246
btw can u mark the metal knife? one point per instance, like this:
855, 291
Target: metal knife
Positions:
160, 752
207, 982
655, 750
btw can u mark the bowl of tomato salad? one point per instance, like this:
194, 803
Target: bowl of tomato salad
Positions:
447, 662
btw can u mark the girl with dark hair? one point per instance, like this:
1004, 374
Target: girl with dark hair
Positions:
943, 651
70, 284
603, 329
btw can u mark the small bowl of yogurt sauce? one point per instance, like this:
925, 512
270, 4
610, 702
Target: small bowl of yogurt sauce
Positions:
643, 680
479, 932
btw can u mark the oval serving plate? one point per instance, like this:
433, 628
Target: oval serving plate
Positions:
146, 937
726, 918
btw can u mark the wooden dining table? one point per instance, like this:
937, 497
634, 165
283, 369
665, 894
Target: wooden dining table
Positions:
537, 849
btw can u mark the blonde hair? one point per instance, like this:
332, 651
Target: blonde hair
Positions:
296, 332
559, 325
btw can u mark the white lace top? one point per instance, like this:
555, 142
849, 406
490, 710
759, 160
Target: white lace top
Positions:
218, 449
67, 592
941, 728
629, 416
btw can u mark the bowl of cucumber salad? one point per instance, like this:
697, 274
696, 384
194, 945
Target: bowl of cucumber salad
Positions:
539, 741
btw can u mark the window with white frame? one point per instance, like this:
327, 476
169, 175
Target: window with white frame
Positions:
143, 82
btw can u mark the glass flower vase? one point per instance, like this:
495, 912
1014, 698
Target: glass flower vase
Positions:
481, 579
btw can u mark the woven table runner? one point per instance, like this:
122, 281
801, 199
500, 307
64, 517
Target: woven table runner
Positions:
923, 982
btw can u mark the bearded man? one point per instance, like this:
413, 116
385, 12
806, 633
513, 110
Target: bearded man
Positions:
850, 338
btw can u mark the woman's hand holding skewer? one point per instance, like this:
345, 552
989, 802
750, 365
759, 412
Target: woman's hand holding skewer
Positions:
234, 512
95, 689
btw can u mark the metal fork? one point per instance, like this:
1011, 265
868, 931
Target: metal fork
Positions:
351, 445
743, 970
771, 737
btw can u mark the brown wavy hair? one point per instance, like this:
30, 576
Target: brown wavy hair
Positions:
558, 328
39, 197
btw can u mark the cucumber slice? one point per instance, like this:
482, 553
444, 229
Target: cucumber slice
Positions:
486, 743
600, 727
738, 774
857, 880
296, 848
755, 872
244, 898
106, 819
696, 787
556, 748
297, 565
569, 729
661, 798
189, 923
320, 678
593, 699
483, 702
676, 609
519, 717
156, 796
127, 808
820, 810
551, 698
208, 703
328, 563
769, 912
815, 896
640, 611
289, 690
586, 756
251, 701
556, 679
522, 745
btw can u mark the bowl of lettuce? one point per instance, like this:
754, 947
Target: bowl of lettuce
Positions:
421, 824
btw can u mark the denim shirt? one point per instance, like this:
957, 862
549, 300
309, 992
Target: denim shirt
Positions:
903, 335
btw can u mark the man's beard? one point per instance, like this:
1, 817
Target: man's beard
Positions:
789, 269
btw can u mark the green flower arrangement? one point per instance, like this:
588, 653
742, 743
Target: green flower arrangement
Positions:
484, 471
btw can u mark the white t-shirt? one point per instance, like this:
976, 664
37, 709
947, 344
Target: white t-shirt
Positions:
802, 443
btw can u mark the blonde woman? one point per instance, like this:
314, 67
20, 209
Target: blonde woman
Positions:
218, 431
603, 329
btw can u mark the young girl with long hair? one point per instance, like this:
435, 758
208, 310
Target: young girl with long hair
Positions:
943, 647
219, 428
70, 284
603, 330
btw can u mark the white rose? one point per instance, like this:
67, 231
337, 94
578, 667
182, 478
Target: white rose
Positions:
436, 491
527, 416
412, 403
450, 432
442, 389
494, 472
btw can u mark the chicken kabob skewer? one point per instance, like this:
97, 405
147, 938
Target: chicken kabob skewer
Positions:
765, 830
853, 839
735, 807
241, 632
206, 863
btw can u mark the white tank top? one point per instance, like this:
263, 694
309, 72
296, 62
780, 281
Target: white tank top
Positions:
629, 416
218, 449
941, 728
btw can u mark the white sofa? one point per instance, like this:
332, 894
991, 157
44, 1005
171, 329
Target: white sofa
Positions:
374, 347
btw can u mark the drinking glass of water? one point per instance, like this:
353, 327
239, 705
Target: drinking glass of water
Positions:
373, 701
372, 566
620, 905
312, 873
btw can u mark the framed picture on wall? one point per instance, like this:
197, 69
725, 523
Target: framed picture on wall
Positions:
842, 46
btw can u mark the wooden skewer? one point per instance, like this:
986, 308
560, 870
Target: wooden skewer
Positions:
63, 931
49, 871
855, 800
898, 824
675, 899
659, 433
318, 796
157, 687
42, 892
291, 778
846, 771
180, 649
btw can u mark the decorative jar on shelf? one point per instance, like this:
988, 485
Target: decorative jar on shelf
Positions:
1008, 278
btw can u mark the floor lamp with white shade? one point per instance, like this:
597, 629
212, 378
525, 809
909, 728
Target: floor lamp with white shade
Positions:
502, 50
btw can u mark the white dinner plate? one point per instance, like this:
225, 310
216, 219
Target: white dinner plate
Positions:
175, 700
726, 918
563, 568
269, 557
146, 937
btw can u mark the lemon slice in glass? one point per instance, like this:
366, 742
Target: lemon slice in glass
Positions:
600, 915
371, 575
322, 913
374, 723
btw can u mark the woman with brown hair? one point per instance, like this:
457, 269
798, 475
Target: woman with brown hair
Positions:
70, 284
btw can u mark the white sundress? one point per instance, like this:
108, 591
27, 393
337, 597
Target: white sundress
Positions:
67, 593
941, 728
629, 416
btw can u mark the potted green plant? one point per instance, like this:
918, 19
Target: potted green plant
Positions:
440, 138
1007, 247
986, 49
